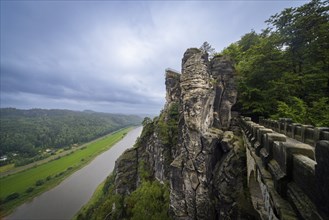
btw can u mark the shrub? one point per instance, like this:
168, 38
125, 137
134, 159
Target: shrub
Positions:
12, 197
149, 201
30, 189
39, 182
60, 174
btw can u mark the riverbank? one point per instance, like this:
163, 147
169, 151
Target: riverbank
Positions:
18, 188
93, 200
11, 169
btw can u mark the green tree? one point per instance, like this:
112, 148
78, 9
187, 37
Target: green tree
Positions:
295, 109
146, 121
319, 112
304, 34
207, 48
149, 201
286, 62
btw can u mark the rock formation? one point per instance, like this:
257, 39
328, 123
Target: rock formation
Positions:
191, 144
208, 159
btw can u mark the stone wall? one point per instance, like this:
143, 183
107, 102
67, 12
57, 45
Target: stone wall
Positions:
293, 176
304, 133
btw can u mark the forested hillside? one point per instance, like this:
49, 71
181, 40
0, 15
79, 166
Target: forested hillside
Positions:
284, 70
25, 132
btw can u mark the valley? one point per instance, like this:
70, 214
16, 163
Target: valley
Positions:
22, 186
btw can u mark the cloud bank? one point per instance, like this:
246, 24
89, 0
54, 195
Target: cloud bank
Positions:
111, 56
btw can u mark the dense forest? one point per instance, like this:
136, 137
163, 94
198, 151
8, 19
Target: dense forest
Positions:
284, 70
24, 133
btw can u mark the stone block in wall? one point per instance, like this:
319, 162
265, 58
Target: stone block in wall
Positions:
289, 130
283, 153
248, 131
309, 136
293, 129
261, 132
324, 135
279, 155
255, 128
266, 153
322, 176
265, 122
270, 138
303, 174
264, 156
260, 138
319, 134
275, 125
303, 133
275, 205
283, 124
304, 207
281, 127
279, 177
298, 133
261, 120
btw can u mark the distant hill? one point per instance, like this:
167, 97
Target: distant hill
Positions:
27, 131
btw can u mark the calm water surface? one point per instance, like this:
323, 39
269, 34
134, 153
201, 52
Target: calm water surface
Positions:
66, 199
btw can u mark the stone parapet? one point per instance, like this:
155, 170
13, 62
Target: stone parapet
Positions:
322, 176
307, 134
297, 158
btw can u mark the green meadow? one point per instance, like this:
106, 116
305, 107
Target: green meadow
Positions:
20, 187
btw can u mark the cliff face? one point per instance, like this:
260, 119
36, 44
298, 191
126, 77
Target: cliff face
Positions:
191, 145
206, 175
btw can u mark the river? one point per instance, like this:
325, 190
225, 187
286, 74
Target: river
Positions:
66, 199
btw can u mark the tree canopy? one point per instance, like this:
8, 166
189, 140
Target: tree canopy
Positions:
207, 48
26, 132
284, 70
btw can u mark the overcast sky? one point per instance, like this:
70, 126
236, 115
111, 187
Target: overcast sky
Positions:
110, 56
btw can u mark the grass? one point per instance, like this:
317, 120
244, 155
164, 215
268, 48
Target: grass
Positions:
7, 167
52, 173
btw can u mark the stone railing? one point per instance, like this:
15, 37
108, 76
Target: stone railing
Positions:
304, 133
293, 176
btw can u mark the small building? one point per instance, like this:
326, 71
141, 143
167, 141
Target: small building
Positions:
3, 158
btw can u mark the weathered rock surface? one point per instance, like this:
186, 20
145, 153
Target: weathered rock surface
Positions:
153, 151
190, 144
126, 172
207, 174
222, 72
172, 86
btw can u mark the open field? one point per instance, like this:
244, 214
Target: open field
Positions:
50, 174
7, 167
11, 169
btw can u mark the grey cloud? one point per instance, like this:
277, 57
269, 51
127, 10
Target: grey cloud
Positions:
54, 85
108, 54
